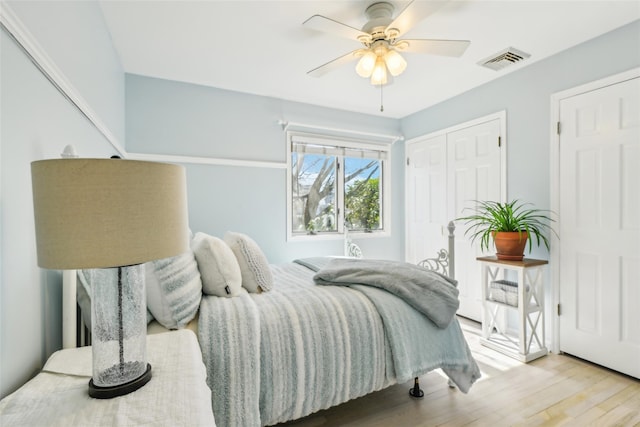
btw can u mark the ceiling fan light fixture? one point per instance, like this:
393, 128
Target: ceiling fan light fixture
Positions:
366, 64
395, 62
379, 75
382, 45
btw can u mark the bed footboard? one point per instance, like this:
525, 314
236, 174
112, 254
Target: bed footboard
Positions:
443, 263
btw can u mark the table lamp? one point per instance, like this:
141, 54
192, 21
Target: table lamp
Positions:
110, 216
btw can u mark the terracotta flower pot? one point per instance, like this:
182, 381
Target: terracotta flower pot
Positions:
510, 244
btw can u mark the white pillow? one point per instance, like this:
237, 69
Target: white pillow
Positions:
254, 266
174, 290
218, 266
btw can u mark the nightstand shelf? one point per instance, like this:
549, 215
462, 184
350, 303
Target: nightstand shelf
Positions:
525, 296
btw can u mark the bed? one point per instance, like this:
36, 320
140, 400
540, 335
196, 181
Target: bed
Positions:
283, 341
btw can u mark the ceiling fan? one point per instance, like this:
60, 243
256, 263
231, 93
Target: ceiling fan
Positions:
381, 39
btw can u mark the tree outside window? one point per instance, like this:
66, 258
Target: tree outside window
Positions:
362, 194
331, 187
314, 193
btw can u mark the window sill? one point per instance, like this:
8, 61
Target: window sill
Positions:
353, 235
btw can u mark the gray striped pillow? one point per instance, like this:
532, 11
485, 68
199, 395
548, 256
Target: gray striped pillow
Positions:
254, 266
174, 290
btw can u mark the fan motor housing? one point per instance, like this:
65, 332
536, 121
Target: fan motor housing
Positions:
380, 15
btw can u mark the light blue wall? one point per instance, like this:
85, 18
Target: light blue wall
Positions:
526, 96
36, 122
167, 117
175, 118
75, 37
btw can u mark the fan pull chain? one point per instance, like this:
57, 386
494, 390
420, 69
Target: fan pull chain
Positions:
381, 106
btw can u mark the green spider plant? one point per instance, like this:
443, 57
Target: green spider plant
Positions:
490, 217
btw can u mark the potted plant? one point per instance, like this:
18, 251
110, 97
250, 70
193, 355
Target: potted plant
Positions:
510, 225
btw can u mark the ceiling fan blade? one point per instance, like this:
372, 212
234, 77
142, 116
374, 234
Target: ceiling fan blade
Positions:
328, 25
332, 65
434, 47
414, 12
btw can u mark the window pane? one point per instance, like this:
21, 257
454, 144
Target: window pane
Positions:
362, 188
314, 193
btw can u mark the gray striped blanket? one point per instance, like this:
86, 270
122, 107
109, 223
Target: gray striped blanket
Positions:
300, 348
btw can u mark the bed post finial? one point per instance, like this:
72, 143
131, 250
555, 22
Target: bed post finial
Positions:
452, 249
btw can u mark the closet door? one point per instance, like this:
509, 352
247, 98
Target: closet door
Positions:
445, 173
600, 226
426, 196
474, 173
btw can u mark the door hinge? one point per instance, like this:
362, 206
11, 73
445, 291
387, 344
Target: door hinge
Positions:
558, 310
407, 161
558, 128
499, 141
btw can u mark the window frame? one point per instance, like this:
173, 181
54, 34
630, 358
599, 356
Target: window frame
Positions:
348, 143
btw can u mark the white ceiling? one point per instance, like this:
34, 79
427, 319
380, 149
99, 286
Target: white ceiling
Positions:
260, 47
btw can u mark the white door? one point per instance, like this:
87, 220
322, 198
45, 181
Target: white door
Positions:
445, 173
599, 226
474, 165
426, 195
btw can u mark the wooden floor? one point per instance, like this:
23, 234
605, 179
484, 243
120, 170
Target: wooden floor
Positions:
555, 390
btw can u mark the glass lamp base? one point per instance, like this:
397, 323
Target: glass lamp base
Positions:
120, 389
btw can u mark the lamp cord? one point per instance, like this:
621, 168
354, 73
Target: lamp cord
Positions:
120, 326
381, 106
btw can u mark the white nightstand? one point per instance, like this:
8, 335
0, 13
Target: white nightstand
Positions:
176, 395
524, 295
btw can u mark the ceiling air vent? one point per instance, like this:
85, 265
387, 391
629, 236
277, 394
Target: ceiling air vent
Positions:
504, 58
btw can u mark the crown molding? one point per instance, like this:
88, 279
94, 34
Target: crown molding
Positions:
47, 66
215, 161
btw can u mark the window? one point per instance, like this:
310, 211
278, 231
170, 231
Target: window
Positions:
336, 184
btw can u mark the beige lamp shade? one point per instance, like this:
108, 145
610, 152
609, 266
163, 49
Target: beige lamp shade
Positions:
102, 213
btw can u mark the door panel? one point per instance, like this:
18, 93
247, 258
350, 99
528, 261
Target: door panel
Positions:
426, 197
474, 174
599, 226
444, 174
